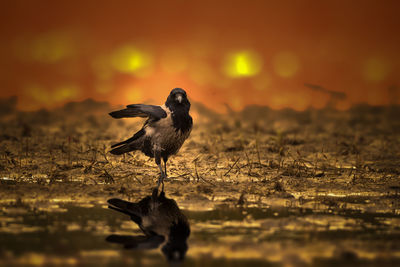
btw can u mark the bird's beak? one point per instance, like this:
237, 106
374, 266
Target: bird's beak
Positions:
179, 98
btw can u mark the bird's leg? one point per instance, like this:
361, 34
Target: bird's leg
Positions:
157, 156
161, 178
165, 171
165, 166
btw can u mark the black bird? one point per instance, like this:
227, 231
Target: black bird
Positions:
163, 133
161, 221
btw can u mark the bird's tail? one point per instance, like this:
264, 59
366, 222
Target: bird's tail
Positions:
127, 145
123, 206
122, 149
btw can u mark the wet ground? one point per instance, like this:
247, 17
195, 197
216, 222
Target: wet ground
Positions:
259, 187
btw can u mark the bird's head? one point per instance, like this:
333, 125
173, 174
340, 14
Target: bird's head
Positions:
177, 98
176, 247
175, 252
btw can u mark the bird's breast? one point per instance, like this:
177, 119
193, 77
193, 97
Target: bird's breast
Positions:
164, 135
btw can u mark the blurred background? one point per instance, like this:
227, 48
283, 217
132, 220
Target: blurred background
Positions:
296, 54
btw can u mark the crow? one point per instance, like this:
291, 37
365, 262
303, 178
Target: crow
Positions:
164, 132
161, 221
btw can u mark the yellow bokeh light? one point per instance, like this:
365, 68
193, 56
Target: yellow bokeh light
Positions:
285, 64
51, 48
375, 70
32, 259
243, 64
130, 59
43, 95
65, 92
38, 93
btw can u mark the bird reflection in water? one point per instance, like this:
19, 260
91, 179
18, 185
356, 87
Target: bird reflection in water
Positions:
161, 221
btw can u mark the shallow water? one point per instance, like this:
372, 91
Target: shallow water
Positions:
70, 233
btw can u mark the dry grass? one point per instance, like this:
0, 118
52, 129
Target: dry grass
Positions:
303, 152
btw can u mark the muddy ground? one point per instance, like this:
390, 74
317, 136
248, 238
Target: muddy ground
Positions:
259, 187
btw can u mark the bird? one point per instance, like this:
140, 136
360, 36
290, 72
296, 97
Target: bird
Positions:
163, 133
161, 221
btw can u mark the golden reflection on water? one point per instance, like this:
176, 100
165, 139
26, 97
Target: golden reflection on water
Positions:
271, 235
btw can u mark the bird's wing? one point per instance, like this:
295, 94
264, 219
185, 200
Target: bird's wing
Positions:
137, 242
140, 110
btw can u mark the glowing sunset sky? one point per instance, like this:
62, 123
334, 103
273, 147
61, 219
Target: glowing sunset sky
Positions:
235, 52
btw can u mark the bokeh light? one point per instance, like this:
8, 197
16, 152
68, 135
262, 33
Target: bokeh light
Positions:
243, 64
130, 59
52, 47
54, 96
375, 69
286, 64
65, 92
37, 93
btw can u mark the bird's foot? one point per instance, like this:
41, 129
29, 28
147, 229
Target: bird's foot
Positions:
161, 181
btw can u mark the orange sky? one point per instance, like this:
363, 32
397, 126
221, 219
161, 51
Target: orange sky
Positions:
235, 52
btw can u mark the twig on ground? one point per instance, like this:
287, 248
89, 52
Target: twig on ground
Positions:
232, 166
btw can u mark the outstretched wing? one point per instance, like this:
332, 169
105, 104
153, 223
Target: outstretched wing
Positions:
140, 110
